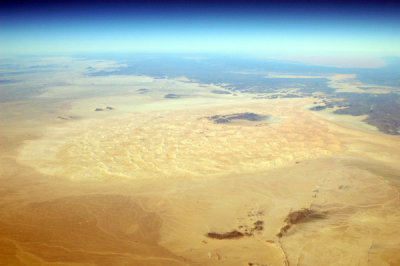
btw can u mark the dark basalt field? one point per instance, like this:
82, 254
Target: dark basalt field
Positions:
383, 110
223, 119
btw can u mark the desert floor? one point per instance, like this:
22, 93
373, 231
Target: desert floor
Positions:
156, 182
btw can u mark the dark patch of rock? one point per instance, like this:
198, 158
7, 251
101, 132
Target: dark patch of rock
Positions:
142, 91
318, 108
220, 92
300, 216
258, 226
172, 96
228, 235
223, 119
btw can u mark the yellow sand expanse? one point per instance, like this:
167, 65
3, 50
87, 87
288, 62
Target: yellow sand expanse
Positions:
145, 188
182, 143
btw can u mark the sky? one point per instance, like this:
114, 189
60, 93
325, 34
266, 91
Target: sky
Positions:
290, 28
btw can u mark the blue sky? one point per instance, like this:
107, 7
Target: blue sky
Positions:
273, 29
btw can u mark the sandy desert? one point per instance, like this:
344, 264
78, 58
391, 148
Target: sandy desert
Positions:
154, 180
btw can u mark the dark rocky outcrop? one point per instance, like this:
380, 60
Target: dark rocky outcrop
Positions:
108, 108
220, 92
223, 119
245, 231
318, 108
300, 216
172, 96
228, 235
142, 91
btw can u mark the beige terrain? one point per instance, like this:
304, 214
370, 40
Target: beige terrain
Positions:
342, 83
154, 181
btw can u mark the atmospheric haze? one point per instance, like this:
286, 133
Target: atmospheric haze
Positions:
199, 133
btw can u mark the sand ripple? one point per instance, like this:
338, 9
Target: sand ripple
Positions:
176, 143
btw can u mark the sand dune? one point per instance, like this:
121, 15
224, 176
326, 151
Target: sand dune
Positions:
182, 143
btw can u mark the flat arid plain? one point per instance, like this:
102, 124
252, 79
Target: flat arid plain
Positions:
138, 170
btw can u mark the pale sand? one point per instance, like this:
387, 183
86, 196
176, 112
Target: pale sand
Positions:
145, 186
342, 83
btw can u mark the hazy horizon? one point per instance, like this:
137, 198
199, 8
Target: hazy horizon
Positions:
366, 30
